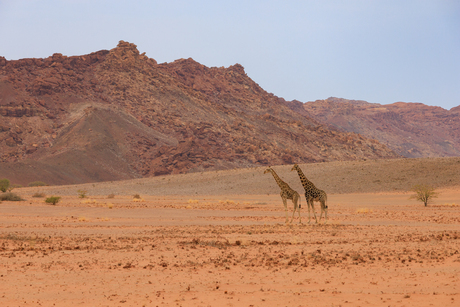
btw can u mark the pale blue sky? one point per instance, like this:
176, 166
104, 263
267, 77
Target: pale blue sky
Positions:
379, 51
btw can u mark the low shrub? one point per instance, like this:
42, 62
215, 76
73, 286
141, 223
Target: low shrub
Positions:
111, 196
82, 193
10, 197
39, 195
53, 200
4, 185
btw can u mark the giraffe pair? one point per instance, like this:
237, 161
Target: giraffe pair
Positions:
311, 194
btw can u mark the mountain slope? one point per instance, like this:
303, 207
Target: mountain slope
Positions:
410, 129
118, 114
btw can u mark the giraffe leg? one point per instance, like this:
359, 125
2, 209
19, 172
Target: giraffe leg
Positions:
300, 220
325, 213
285, 209
313, 209
295, 208
322, 209
308, 206
294, 201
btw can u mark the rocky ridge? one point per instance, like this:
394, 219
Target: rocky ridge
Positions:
117, 114
412, 130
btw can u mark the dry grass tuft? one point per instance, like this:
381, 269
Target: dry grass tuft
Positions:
90, 202
447, 205
364, 210
39, 195
295, 240
226, 202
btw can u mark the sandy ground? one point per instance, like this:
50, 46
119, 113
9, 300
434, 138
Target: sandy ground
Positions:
377, 249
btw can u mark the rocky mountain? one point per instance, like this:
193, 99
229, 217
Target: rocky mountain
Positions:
117, 114
410, 129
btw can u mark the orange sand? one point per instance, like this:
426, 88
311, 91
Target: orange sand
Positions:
376, 250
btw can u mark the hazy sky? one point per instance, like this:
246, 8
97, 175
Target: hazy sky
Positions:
379, 51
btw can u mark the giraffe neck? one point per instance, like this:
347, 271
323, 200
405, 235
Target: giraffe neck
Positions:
305, 182
278, 180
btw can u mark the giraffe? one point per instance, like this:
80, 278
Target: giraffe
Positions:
286, 193
312, 194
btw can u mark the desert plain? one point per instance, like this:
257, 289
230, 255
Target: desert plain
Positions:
220, 239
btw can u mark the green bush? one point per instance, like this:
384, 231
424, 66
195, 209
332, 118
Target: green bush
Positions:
53, 200
4, 185
10, 197
37, 184
424, 193
82, 193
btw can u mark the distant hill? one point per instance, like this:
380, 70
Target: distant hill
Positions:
117, 114
370, 176
410, 129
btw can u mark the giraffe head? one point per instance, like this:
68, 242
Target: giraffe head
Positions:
295, 167
268, 170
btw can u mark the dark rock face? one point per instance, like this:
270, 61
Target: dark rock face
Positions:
118, 114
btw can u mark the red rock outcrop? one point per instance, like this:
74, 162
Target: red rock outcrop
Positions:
410, 129
118, 114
